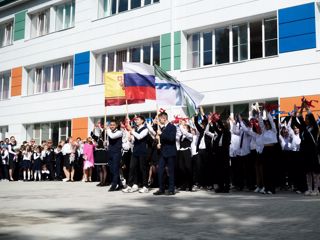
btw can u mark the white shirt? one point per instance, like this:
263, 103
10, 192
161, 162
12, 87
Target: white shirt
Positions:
66, 149
245, 138
142, 134
194, 144
235, 140
268, 136
182, 132
114, 134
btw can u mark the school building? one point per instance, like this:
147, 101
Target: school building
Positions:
53, 54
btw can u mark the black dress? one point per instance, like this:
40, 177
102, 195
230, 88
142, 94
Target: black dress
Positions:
100, 154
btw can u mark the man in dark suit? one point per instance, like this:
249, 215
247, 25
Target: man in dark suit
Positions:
168, 152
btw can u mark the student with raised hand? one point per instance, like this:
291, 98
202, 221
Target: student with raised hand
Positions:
184, 138
114, 135
168, 152
139, 136
256, 146
201, 149
309, 150
269, 139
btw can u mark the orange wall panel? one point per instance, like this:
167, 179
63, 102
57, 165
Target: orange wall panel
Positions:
16, 81
287, 104
79, 127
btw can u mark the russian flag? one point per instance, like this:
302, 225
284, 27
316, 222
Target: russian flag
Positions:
139, 81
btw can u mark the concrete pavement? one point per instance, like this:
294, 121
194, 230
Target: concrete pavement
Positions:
58, 210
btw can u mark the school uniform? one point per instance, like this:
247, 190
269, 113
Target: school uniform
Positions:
195, 159
37, 161
269, 139
184, 162
114, 155
168, 154
26, 162
5, 164
139, 156
221, 146
202, 154
233, 152
68, 159
12, 155
59, 161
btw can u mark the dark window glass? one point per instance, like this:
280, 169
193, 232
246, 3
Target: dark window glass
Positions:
242, 109
156, 53
256, 40
207, 48
222, 45
147, 2
224, 112
135, 54
113, 7
271, 37
123, 5
135, 4
147, 54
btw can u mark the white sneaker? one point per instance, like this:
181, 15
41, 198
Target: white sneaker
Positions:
65, 179
257, 190
262, 190
269, 192
308, 193
315, 193
124, 183
134, 188
127, 189
144, 190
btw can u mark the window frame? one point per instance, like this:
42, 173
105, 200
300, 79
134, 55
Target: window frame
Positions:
105, 7
72, 15
2, 82
230, 28
104, 58
33, 80
3, 41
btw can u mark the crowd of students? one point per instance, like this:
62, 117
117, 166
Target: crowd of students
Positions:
256, 154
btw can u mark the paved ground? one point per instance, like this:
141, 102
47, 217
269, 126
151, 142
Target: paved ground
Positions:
57, 210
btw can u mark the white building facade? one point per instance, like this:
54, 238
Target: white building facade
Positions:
53, 55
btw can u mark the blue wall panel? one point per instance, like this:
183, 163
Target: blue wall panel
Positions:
297, 28
296, 13
81, 68
297, 43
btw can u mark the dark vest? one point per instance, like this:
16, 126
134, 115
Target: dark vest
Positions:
185, 143
140, 146
115, 145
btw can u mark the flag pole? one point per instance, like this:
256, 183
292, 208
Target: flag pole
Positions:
105, 123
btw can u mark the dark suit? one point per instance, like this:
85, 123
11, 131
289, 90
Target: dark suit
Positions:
168, 155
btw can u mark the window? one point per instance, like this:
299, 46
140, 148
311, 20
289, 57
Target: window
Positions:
135, 54
256, 40
135, 3
245, 41
121, 57
111, 7
50, 78
224, 111
4, 85
3, 131
242, 109
271, 37
222, 45
40, 23
6, 31
194, 50
240, 42
123, 5
65, 14
147, 53
56, 131
207, 48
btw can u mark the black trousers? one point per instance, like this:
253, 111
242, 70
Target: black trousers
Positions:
138, 163
114, 161
125, 164
296, 172
269, 167
201, 167
185, 168
223, 169
170, 162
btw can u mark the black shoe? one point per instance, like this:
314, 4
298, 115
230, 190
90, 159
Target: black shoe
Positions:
171, 193
158, 193
99, 184
112, 189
